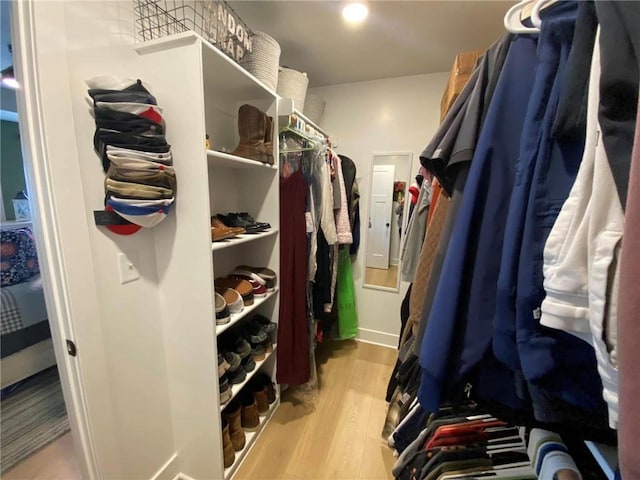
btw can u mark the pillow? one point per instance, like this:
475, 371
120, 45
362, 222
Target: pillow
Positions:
18, 257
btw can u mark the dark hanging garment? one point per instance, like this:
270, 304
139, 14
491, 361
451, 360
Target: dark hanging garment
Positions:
293, 327
620, 59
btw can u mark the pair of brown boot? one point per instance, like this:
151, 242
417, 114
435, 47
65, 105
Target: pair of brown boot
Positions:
243, 415
256, 135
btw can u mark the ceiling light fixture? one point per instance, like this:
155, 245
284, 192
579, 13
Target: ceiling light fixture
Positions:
8, 80
355, 12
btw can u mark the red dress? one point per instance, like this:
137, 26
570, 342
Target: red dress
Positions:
293, 328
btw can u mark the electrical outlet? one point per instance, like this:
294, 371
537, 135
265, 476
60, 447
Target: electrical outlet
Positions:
128, 272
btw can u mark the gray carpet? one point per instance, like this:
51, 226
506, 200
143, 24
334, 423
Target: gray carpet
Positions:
31, 416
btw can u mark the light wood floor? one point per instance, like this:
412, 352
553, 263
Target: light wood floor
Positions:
337, 436
334, 434
56, 461
381, 277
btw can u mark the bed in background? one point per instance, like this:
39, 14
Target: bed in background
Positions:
25, 338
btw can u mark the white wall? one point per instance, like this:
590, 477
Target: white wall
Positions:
398, 114
121, 364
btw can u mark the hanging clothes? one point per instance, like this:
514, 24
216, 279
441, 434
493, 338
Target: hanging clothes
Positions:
343, 225
449, 156
293, 329
581, 261
438, 214
481, 218
560, 370
347, 312
414, 236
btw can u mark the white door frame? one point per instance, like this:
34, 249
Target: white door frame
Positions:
65, 310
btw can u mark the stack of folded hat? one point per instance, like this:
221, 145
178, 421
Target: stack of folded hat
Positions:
140, 183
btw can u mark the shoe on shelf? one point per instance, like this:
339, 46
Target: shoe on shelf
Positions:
232, 298
258, 352
249, 364
254, 332
223, 365
262, 398
251, 128
263, 379
249, 418
244, 288
233, 220
223, 314
250, 219
228, 454
239, 345
219, 231
233, 413
238, 375
225, 389
259, 289
268, 275
232, 359
268, 345
269, 326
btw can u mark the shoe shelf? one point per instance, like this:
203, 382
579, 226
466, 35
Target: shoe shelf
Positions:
236, 317
250, 438
221, 159
235, 389
244, 238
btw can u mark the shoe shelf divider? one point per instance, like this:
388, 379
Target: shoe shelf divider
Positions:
236, 389
237, 317
232, 161
250, 439
240, 239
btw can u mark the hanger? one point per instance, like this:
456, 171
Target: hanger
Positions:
298, 132
512, 20
535, 12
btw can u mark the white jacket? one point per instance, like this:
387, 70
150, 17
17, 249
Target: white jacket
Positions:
581, 254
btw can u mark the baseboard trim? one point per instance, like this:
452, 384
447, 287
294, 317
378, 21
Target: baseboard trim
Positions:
169, 471
377, 338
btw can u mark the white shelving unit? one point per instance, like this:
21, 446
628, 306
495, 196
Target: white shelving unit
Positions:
201, 90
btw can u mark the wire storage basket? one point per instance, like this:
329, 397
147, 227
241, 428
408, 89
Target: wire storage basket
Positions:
214, 20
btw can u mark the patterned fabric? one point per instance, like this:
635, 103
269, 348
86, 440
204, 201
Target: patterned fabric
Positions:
10, 320
18, 257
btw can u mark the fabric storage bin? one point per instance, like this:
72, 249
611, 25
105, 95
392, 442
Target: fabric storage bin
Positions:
262, 62
314, 108
293, 84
